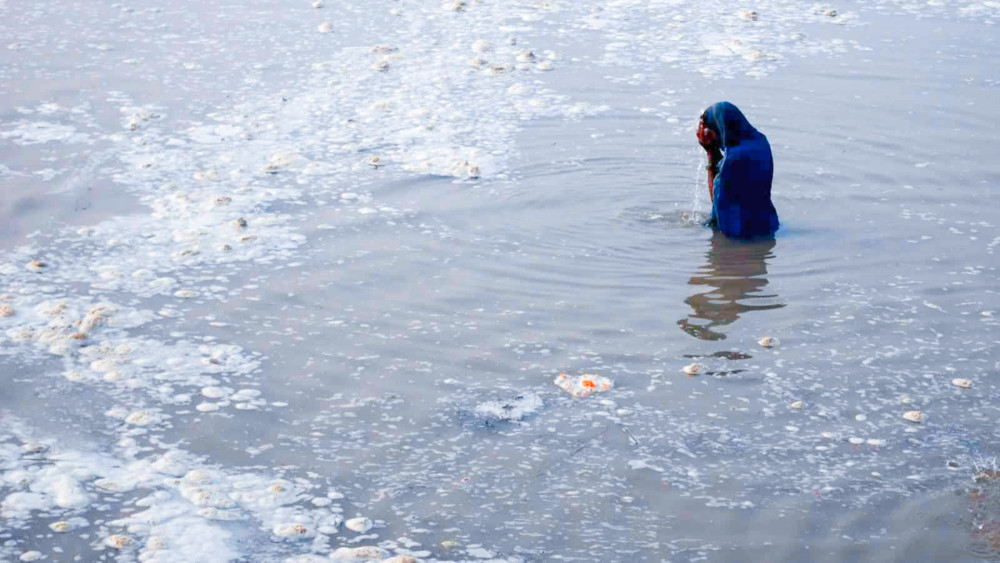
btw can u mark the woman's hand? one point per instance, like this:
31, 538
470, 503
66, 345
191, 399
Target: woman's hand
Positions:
708, 139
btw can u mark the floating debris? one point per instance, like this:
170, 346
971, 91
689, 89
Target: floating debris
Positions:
477, 62
481, 46
32, 446
693, 369
830, 13
374, 161
583, 385
381, 65
136, 119
768, 341
500, 68
118, 541
5, 310
382, 49
60, 526
324, 27
453, 5
317, 4
749, 15
544, 65
36, 265
913, 416
30, 556
797, 405
962, 383
525, 56
94, 318
359, 525
240, 223
987, 475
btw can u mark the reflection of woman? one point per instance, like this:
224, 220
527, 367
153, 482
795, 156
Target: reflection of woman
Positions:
740, 187
735, 274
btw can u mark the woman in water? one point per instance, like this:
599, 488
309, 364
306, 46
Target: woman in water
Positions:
739, 173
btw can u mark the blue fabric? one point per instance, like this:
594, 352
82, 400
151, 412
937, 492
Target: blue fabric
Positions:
741, 202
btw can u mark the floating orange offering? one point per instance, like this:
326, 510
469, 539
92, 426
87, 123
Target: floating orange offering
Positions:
583, 385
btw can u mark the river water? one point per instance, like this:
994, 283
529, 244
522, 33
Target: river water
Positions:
306, 277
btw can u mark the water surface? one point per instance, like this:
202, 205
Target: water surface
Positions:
297, 274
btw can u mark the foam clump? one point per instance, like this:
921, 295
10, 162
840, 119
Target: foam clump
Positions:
359, 524
511, 409
583, 385
362, 553
293, 530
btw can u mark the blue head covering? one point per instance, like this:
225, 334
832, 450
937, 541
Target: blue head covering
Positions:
729, 123
741, 202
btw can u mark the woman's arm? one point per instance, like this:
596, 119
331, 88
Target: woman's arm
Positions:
714, 158
710, 142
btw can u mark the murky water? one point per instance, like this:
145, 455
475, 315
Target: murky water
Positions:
306, 278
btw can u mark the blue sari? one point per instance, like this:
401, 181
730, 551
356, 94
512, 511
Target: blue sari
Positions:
741, 199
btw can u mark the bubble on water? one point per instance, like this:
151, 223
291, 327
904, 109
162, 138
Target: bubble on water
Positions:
525, 56
214, 392
359, 524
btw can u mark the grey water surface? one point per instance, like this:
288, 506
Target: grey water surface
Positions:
436, 224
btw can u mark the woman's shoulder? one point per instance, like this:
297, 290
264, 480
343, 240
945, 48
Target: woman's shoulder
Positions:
752, 147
